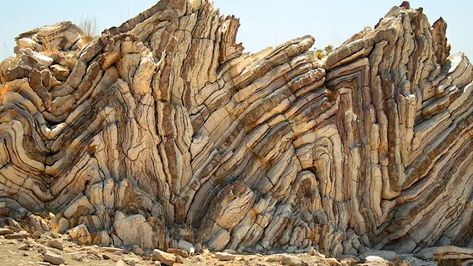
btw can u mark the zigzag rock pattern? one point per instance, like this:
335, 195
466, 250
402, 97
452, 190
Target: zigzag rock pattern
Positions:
164, 129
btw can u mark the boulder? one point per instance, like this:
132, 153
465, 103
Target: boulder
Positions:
224, 256
164, 257
56, 243
189, 247
6, 231
178, 251
53, 258
291, 260
81, 234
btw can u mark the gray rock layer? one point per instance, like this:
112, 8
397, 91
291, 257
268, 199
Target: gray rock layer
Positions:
163, 128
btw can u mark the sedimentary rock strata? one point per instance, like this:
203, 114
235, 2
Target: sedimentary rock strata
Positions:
164, 128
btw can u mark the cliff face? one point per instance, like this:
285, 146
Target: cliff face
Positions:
163, 128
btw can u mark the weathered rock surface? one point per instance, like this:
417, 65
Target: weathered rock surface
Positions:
53, 258
163, 128
164, 257
224, 256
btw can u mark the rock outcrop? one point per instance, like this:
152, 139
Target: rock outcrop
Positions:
164, 129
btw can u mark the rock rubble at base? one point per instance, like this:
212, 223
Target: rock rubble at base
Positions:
224, 256
164, 257
53, 258
56, 249
163, 131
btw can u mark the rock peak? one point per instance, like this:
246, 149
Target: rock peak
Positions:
405, 4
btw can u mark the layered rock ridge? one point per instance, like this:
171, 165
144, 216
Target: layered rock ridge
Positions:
164, 128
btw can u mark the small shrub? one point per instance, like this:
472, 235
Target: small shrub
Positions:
319, 54
89, 28
328, 49
322, 53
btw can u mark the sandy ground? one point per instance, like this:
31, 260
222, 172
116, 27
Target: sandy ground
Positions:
22, 248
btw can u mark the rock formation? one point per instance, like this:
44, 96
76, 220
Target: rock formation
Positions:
164, 129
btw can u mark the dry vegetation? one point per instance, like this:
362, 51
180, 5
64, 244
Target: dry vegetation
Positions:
321, 53
89, 28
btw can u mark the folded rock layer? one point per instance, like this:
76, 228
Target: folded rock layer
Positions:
163, 128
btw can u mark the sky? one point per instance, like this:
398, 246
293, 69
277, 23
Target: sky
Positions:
263, 22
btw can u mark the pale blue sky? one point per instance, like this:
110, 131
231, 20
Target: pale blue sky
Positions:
263, 22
